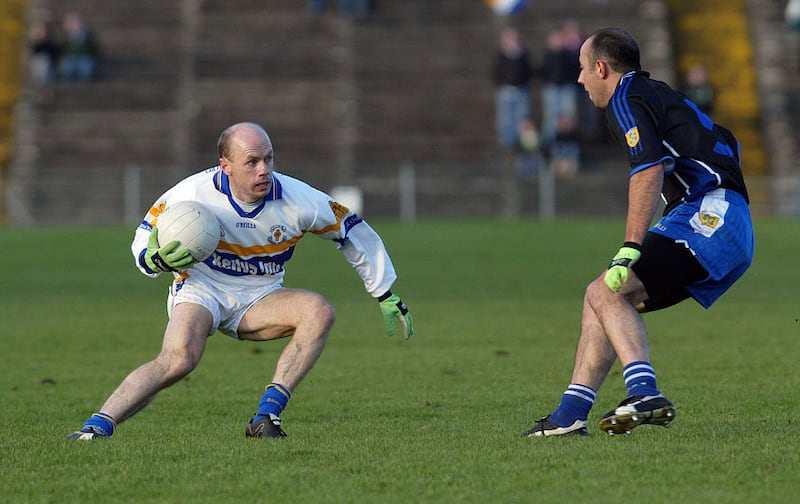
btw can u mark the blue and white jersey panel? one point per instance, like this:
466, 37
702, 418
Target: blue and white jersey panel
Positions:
717, 229
257, 242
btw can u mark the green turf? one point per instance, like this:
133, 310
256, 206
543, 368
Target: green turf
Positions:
437, 419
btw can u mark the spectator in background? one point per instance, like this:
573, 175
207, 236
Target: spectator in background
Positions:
792, 15
587, 115
698, 89
531, 159
511, 73
560, 98
358, 9
565, 149
44, 52
559, 71
572, 38
79, 50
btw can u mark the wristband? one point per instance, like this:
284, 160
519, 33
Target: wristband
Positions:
160, 262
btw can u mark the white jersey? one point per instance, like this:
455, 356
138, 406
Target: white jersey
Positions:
257, 242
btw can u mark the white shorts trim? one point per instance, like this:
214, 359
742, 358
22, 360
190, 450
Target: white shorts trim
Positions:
227, 304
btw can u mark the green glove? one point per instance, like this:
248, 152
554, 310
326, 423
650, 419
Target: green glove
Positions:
617, 273
168, 257
394, 309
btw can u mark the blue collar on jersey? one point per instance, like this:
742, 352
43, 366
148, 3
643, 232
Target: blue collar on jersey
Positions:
632, 73
222, 184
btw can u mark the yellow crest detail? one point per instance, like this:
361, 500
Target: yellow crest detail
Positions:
157, 210
339, 210
632, 137
709, 220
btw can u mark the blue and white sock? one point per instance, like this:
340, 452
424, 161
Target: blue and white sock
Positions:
640, 379
576, 403
100, 423
275, 398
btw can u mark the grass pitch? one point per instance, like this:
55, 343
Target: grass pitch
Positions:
496, 306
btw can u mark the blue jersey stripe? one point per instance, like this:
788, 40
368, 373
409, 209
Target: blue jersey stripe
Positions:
621, 109
623, 113
232, 264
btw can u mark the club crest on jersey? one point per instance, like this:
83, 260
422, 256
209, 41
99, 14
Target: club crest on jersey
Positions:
277, 234
708, 220
632, 137
706, 223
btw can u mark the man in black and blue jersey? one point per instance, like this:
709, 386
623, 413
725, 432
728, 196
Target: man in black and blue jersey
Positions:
701, 245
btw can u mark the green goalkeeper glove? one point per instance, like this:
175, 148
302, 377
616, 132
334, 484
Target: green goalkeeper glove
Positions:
394, 309
166, 258
617, 273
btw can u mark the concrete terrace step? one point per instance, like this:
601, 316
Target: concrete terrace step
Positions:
345, 101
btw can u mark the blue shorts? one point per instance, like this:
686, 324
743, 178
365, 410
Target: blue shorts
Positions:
718, 230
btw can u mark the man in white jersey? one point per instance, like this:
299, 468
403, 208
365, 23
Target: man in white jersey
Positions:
238, 289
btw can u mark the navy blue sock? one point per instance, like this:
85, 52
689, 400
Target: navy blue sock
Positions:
640, 379
101, 423
575, 405
273, 401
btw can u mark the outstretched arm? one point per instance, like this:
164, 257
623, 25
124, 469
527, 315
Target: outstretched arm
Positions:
365, 250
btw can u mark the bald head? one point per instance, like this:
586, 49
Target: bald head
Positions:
616, 47
243, 132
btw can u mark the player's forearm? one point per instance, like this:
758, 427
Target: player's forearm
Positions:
643, 196
138, 247
365, 251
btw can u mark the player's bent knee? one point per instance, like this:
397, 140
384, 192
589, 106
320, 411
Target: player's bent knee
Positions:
596, 291
324, 312
599, 295
177, 365
180, 370
318, 315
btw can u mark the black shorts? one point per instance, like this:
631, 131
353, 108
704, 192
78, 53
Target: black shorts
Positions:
665, 268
